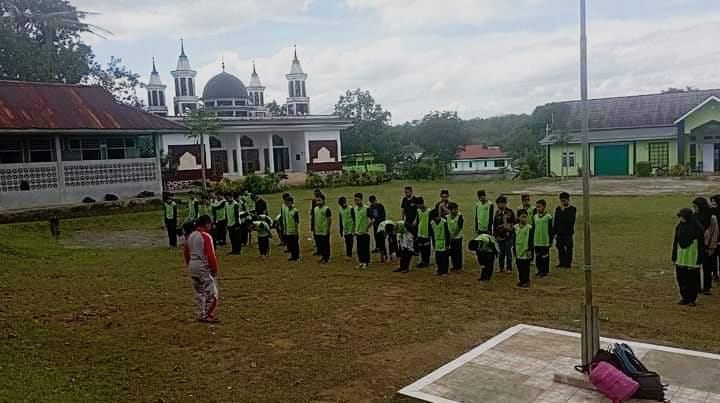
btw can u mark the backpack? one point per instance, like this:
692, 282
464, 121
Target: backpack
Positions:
612, 382
600, 356
651, 386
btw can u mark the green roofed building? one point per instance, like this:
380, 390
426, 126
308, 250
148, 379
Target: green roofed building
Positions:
662, 129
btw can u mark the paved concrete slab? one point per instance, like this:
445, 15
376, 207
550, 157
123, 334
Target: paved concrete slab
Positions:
518, 365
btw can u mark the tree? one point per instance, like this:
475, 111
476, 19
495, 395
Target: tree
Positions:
277, 110
41, 41
369, 134
202, 123
440, 134
117, 80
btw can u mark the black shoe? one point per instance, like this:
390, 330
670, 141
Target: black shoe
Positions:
683, 302
405, 271
692, 304
525, 285
293, 259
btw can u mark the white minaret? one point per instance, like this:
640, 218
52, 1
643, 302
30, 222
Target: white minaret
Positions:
257, 93
298, 102
185, 96
156, 94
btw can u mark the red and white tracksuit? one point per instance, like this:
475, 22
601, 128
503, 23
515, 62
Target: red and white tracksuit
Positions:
202, 264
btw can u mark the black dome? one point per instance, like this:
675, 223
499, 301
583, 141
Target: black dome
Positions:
225, 85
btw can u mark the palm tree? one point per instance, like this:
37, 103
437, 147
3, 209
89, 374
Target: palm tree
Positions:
201, 123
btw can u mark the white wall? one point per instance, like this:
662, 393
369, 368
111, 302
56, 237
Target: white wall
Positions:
325, 135
298, 145
476, 166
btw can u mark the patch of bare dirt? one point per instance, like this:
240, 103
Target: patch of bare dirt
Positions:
131, 239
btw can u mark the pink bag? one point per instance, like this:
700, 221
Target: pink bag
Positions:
612, 383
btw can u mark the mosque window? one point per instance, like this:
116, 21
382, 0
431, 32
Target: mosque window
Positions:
304, 94
262, 100
191, 87
241, 102
225, 114
224, 103
298, 93
155, 100
215, 142
177, 87
162, 98
290, 89
183, 87
246, 141
277, 141
210, 103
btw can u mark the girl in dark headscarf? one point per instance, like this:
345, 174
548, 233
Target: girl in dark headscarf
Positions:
709, 222
687, 254
715, 206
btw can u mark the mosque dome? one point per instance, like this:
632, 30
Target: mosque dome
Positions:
225, 86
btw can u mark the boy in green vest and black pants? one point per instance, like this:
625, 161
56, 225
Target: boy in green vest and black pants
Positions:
455, 223
543, 238
524, 238
363, 225
291, 218
424, 232
323, 222
347, 225
220, 215
484, 213
232, 212
193, 210
687, 254
486, 248
528, 207
170, 218
441, 239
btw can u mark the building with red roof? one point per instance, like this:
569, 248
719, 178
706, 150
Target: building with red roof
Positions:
479, 159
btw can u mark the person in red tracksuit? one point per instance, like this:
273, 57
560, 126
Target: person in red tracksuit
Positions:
202, 264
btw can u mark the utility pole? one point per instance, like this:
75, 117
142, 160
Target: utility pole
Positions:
590, 328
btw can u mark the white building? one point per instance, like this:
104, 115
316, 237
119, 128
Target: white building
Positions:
252, 140
479, 159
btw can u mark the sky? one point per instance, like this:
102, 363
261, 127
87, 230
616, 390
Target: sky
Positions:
478, 57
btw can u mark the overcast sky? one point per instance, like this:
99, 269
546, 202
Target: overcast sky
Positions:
479, 57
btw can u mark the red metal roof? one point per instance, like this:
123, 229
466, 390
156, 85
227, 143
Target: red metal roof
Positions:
27, 105
478, 151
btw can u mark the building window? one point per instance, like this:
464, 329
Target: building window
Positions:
290, 89
82, 149
246, 141
177, 87
183, 87
262, 100
155, 100
499, 163
40, 150
119, 148
241, 103
659, 155
215, 142
470, 164
162, 98
210, 103
693, 156
298, 93
191, 87
278, 141
303, 89
11, 151
224, 103
568, 159
242, 114
225, 114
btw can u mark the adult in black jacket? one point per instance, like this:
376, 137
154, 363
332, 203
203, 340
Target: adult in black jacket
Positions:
377, 213
564, 225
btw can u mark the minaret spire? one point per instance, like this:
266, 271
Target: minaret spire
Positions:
182, 48
222, 58
154, 70
295, 49
254, 72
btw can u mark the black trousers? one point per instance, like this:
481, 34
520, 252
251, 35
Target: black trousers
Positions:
264, 245
323, 246
456, 254
171, 226
688, 280
363, 248
424, 249
221, 232
235, 238
349, 242
243, 235
442, 261
393, 245
315, 244
487, 264
709, 267
380, 243
406, 256
293, 245
523, 266
542, 260
506, 253
565, 244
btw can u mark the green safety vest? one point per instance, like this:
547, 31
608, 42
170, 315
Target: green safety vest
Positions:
262, 228
424, 223
290, 227
322, 222
249, 203
440, 235
688, 257
454, 226
382, 227
362, 221
542, 229
170, 211
522, 241
486, 241
230, 212
346, 220
531, 214
193, 209
482, 215
219, 210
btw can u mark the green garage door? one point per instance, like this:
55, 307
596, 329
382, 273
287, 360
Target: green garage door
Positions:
611, 160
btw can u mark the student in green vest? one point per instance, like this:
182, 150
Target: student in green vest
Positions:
193, 209
484, 213
249, 202
527, 206
290, 229
280, 220
543, 238
347, 226
244, 224
455, 223
263, 227
363, 226
524, 237
486, 248
170, 216
687, 254
323, 222
316, 194
441, 240
406, 246
220, 214
386, 230
235, 229
424, 233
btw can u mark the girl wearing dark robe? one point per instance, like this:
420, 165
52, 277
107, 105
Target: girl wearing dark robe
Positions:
687, 254
709, 222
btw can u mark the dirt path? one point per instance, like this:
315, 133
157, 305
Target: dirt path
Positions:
630, 186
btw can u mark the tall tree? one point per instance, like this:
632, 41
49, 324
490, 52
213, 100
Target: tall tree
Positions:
440, 134
202, 123
117, 80
277, 110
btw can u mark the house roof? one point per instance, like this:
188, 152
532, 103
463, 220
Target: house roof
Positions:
66, 107
479, 151
619, 135
653, 110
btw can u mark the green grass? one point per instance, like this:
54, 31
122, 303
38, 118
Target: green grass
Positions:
81, 325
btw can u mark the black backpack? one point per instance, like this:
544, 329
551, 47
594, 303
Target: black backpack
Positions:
651, 386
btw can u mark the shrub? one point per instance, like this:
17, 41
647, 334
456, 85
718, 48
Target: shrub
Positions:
314, 180
254, 184
421, 170
643, 169
525, 172
679, 170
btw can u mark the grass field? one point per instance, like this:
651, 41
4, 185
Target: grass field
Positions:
82, 325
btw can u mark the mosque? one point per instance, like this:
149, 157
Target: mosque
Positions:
253, 139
